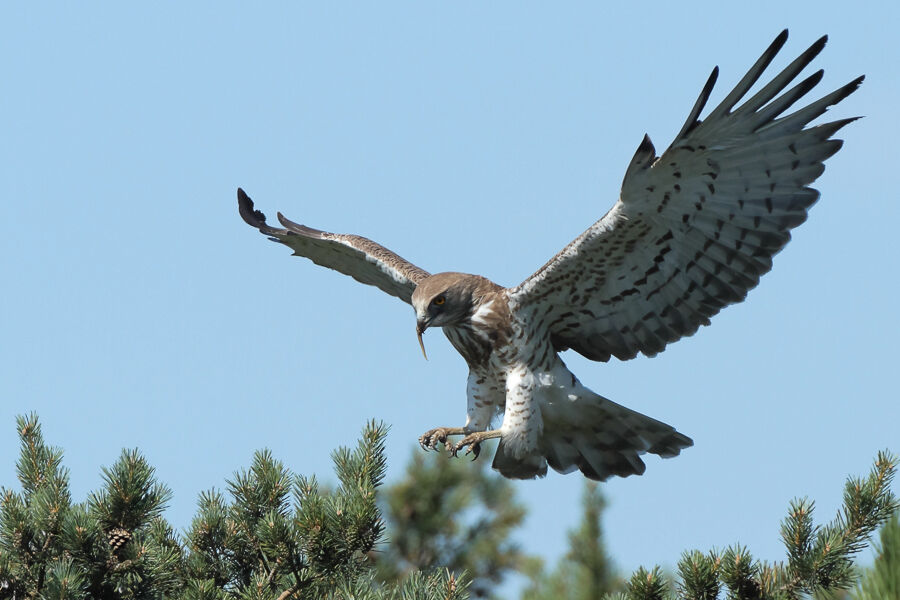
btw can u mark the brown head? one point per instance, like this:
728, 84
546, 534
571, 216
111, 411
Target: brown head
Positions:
448, 299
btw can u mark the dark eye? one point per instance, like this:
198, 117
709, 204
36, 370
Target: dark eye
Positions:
439, 300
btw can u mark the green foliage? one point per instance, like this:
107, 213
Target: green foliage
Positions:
438, 584
647, 585
279, 535
699, 575
882, 581
31, 522
275, 535
451, 514
113, 546
820, 559
585, 573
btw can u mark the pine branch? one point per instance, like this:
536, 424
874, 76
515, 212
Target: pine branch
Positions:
261, 546
820, 559
31, 522
740, 573
699, 575
882, 581
131, 496
647, 585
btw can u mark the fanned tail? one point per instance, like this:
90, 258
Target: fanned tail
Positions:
595, 435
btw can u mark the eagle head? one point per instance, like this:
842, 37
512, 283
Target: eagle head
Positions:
447, 299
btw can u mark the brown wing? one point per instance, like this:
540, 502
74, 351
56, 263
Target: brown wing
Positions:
695, 229
353, 255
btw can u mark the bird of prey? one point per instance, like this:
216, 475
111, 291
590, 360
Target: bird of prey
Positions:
692, 231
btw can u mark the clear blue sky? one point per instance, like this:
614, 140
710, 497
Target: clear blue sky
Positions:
139, 310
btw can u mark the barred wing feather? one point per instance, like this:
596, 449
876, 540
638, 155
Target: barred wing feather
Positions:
694, 229
366, 261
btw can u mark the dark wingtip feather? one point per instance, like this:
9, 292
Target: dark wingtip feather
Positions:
812, 52
254, 218
643, 157
844, 91
751, 77
646, 146
820, 43
776, 45
693, 119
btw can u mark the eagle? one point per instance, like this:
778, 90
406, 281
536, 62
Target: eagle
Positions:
693, 231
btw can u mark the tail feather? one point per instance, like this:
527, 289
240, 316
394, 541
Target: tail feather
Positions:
599, 461
525, 467
600, 438
562, 455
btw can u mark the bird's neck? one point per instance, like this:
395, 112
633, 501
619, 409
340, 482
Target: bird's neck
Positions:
486, 328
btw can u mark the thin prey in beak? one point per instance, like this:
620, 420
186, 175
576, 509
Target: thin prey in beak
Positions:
420, 329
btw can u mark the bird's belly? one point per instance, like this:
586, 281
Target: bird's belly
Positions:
488, 388
550, 388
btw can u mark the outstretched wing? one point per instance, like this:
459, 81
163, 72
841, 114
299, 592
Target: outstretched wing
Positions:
353, 255
694, 229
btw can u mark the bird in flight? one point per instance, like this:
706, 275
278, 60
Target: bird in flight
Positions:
693, 230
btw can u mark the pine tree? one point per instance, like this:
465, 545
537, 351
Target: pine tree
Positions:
274, 536
820, 558
278, 536
882, 581
586, 571
115, 545
452, 514
31, 522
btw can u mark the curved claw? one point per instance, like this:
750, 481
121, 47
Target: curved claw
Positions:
431, 438
475, 450
472, 442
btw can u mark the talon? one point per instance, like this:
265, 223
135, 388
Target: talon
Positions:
430, 439
472, 442
475, 450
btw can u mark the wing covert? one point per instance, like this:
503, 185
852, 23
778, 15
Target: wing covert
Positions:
694, 229
366, 261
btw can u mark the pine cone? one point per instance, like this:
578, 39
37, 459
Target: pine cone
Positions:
118, 537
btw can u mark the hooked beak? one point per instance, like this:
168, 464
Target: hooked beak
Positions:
420, 329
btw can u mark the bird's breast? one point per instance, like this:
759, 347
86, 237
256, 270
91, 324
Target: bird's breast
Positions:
473, 344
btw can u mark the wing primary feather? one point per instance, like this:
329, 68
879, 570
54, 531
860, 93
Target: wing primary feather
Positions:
254, 217
362, 259
796, 121
750, 78
771, 89
786, 100
300, 229
643, 157
694, 117
645, 152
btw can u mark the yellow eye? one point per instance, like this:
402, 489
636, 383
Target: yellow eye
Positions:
439, 300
